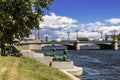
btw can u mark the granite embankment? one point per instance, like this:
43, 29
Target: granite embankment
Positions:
66, 67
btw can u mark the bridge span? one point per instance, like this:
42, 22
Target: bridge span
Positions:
108, 45
73, 44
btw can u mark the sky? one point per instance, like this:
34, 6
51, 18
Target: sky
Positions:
89, 17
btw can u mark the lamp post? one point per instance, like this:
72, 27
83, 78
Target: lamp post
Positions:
76, 34
38, 34
36, 12
35, 35
68, 35
114, 32
101, 34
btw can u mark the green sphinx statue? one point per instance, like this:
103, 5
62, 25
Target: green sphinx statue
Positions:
52, 54
61, 58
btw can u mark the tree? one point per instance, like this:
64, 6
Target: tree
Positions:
17, 19
116, 36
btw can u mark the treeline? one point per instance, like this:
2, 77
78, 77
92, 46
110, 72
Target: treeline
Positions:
117, 36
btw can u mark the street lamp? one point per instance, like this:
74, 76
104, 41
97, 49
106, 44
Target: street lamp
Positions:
101, 34
76, 34
35, 11
35, 34
68, 35
38, 34
114, 32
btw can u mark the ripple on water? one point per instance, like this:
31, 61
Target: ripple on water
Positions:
90, 71
89, 59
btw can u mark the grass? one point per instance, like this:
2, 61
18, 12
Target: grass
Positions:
12, 68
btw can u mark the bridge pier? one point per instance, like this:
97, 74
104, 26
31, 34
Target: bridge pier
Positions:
77, 45
114, 45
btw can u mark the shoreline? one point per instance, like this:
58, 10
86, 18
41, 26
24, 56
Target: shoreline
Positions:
40, 57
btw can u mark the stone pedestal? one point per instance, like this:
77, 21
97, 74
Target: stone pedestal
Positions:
62, 64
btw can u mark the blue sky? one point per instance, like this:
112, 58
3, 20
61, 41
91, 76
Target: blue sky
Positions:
89, 17
86, 10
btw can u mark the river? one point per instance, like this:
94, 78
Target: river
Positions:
97, 64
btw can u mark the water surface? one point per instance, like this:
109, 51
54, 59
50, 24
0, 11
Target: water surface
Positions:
97, 64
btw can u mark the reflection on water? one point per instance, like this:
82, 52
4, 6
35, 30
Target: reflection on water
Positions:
97, 64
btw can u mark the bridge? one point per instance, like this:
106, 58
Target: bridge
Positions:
73, 44
108, 45
82, 43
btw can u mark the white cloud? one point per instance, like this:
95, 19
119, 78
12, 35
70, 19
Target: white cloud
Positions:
55, 22
107, 29
113, 20
95, 24
57, 27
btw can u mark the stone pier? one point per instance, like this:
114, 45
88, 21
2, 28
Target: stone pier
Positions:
75, 46
115, 45
109, 46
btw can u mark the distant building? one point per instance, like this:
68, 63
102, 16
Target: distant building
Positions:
108, 38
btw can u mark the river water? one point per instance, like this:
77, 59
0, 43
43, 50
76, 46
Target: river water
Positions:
97, 64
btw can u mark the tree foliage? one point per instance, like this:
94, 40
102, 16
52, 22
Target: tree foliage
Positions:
116, 36
17, 19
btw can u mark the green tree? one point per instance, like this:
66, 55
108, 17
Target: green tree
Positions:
116, 36
17, 19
